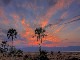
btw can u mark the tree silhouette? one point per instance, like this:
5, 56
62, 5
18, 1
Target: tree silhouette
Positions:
4, 44
12, 50
40, 48
4, 48
40, 33
12, 33
51, 52
1, 50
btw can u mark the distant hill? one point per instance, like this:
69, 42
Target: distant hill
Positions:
34, 49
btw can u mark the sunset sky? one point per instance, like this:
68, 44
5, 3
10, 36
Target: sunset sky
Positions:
26, 15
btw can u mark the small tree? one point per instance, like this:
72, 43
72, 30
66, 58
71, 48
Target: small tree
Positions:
19, 53
4, 46
40, 33
51, 52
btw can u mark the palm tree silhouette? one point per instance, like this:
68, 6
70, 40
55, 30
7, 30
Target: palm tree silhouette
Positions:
40, 33
12, 33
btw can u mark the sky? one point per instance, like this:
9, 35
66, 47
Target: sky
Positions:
26, 15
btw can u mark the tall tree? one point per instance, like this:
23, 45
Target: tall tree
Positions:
40, 33
12, 33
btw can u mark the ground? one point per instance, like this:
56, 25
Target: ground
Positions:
32, 56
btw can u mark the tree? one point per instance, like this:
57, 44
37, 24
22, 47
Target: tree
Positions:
4, 46
12, 33
40, 33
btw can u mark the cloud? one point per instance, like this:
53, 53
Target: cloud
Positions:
59, 29
64, 15
22, 15
5, 2
53, 10
48, 42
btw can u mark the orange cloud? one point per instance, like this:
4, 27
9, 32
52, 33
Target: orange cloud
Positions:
15, 16
50, 12
44, 23
17, 42
29, 32
34, 43
50, 45
23, 21
59, 29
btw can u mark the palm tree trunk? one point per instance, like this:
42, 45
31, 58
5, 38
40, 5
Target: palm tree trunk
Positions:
41, 40
40, 49
12, 41
12, 49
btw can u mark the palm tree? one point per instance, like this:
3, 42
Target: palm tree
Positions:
12, 33
40, 48
40, 33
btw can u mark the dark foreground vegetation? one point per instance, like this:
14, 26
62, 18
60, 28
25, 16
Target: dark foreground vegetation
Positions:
11, 53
